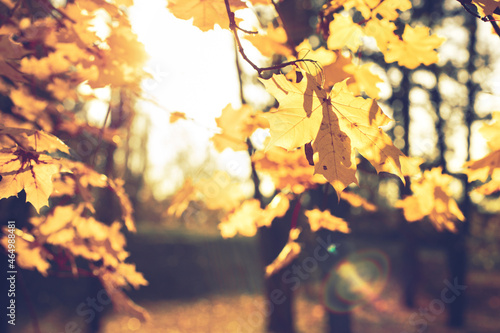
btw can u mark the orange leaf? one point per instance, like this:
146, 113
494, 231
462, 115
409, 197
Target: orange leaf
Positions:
29, 171
29, 255
432, 197
416, 48
323, 219
273, 42
338, 122
235, 131
174, 116
205, 13
344, 33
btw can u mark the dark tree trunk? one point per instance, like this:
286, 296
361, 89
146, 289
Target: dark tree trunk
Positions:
272, 240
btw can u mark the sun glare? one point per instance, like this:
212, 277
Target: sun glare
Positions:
191, 72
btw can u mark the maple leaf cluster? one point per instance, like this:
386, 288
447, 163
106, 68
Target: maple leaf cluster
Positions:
487, 169
324, 119
47, 55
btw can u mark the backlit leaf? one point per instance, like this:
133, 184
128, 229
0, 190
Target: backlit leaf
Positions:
323, 219
205, 13
415, 48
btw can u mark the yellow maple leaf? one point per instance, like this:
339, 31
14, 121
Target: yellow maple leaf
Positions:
483, 168
365, 7
382, 31
30, 171
249, 216
273, 42
296, 122
205, 13
389, 8
491, 131
346, 123
29, 255
234, 130
488, 166
289, 170
322, 55
361, 77
38, 141
323, 219
416, 48
11, 52
344, 33
276, 208
242, 220
432, 197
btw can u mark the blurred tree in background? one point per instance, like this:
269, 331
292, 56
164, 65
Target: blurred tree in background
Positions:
324, 159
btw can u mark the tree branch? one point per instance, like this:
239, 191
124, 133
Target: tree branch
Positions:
234, 29
495, 27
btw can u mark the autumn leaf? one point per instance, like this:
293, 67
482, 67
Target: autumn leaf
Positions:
322, 55
415, 48
290, 251
273, 42
389, 8
345, 123
344, 33
337, 67
323, 219
483, 168
296, 122
234, 129
432, 197
28, 171
242, 220
491, 131
29, 255
205, 13
175, 116
333, 152
361, 78
289, 170
276, 208
382, 31
38, 141
249, 216
11, 52
488, 166
356, 200
486, 7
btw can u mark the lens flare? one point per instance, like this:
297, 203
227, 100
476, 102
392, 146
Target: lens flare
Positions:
356, 280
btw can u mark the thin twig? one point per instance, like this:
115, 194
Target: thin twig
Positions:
495, 27
234, 28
